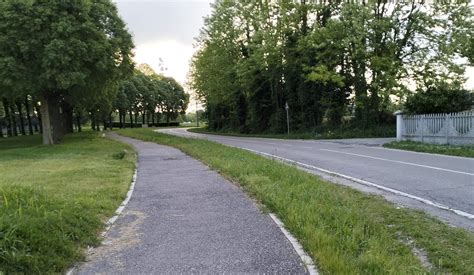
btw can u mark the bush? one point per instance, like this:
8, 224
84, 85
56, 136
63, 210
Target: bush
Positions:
441, 99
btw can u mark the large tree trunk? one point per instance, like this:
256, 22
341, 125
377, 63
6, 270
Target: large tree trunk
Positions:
13, 117
78, 122
153, 119
68, 118
93, 123
22, 122
8, 120
38, 115
97, 123
45, 122
131, 119
121, 119
2, 124
35, 124
148, 118
56, 119
110, 121
28, 116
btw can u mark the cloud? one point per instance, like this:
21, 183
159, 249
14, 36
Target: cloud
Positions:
166, 30
175, 55
174, 20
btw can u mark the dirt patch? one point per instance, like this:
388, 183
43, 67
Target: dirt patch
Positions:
128, 235
419, 253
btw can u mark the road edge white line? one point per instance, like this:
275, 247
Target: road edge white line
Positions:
415, 152
367, 183
378, 147
305, 258
360, 181
399, 161
118, 212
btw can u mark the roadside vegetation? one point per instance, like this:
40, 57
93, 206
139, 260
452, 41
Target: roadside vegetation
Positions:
330, 62
64, 77
320, 133
344, 231
54, 200
450, 150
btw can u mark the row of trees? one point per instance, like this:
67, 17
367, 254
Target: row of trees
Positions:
150, 96
19, 117
325, 60
146, 97
64, 54
67, 61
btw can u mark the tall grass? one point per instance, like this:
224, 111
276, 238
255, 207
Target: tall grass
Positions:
54, 200
345, 231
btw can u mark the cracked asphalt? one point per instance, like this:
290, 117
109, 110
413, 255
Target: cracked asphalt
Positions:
185, 218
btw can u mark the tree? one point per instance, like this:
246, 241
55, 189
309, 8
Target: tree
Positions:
329, 60
62, 52
442, 98
175, 100
215, 65
147, 95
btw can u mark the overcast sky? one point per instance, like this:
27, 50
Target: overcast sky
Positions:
166, 29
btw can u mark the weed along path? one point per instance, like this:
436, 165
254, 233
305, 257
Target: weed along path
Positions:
185, 218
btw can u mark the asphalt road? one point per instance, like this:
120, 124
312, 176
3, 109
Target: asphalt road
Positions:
441, 180
184, 218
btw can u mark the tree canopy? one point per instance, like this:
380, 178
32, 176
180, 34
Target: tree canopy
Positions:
150, 96
64, 54
326, 60
439, 99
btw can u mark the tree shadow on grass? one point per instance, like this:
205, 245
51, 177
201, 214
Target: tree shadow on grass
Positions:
20, 142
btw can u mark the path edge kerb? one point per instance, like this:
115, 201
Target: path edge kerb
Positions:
436, 205
307, 261
117, 212
305, 258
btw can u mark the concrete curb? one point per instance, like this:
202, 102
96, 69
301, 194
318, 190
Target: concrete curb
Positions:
122, 206
307, 261
305, 258
114, 218
364, 182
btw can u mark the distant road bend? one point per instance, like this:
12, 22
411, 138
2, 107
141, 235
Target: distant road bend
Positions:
438, 182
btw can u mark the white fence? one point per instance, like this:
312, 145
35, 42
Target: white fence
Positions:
456, 128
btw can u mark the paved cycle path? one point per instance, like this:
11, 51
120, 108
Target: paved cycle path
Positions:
185, 218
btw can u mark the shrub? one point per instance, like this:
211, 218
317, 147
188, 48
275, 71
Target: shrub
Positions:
441, 99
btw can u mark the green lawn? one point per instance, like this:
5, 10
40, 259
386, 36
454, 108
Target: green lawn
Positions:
54, 200
345, 231
339, 133
451, 150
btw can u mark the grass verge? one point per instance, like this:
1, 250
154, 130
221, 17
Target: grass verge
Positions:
345, 231
54, 200
450, 150
339, 133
